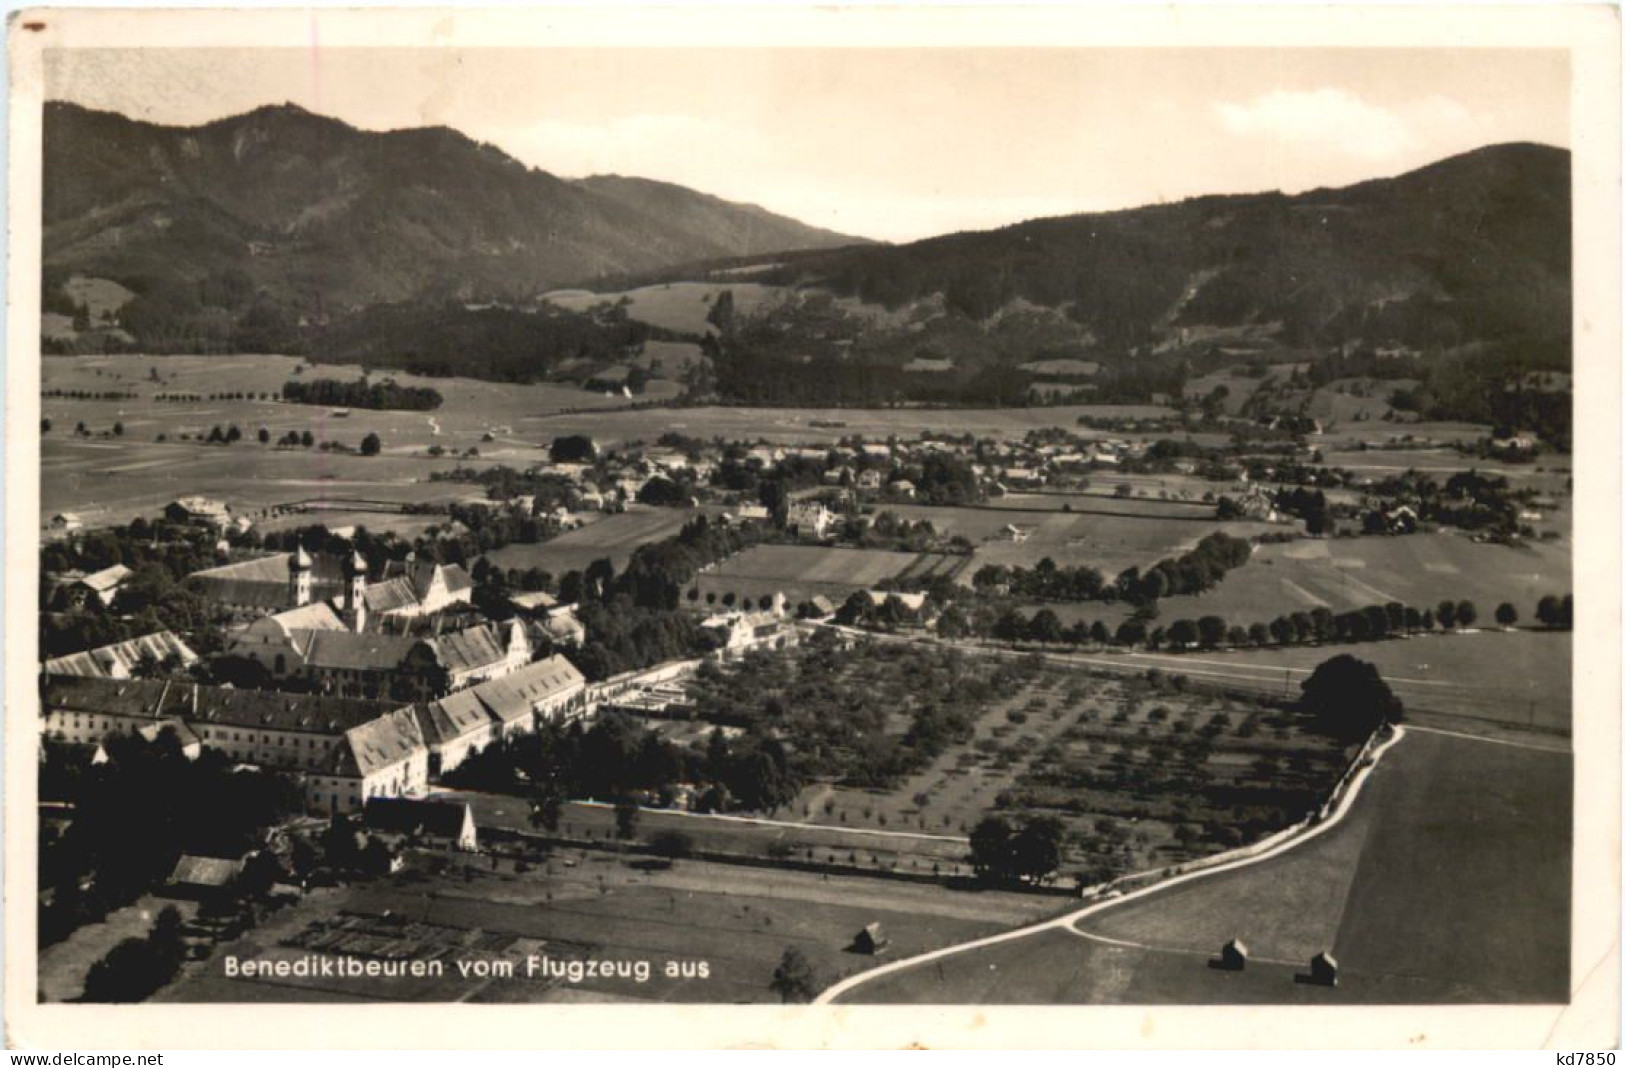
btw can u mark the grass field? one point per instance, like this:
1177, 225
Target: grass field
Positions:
1520, 679
575, 904
1416, 569
109, 480
678, 306
1448, 883
1111, 543
797, 425
805, 571
612, 536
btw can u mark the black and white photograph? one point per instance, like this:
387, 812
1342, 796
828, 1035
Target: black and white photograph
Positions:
883, 521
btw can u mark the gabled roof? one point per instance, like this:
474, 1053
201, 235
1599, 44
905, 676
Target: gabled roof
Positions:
470, 650
117, 660
515, 695
342, 650
138, 698
107, 578
529, 601
390, 595
263, 581
453, 717
316, 713
316, 616
379, 744
205, 871
406, 815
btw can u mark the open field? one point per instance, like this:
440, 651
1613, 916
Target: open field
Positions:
677, 306
805, 571
1521, 679
796, 425
1110, 543
1448, 882
612, 536
108, 482
576, 904
1416, 569
1104, 502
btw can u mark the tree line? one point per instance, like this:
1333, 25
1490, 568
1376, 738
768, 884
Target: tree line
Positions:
387, 395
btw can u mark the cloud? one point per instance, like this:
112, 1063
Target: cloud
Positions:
1334, 120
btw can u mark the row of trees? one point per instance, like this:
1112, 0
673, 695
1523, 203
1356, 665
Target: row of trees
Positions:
387, 395
1212, 631
1196, 571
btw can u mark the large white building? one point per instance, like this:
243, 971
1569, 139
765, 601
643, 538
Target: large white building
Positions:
343, 751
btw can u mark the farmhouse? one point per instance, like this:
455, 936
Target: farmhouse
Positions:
810, 518
65, 522
202, 878
739, 632
121, 659
199, 511
77, 589
450, 822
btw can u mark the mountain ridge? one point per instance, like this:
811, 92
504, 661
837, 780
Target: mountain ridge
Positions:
321, 215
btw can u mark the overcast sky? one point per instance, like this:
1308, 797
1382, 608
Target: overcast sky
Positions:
887, 143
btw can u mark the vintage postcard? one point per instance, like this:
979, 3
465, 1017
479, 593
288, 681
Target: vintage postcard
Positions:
943, 526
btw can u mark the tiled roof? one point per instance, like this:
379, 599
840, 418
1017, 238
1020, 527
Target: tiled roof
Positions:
342, 650
390, 595
263, 581
118, 659
406, 815
316, 616
107, 578
516, 694
453, 716
470, 650
118, 697
379, 744
205, 871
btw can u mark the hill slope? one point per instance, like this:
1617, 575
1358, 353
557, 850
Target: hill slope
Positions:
323, 217
1471, 248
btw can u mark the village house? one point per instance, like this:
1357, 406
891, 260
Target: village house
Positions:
446, 822
737, 633
75, 589
66, 522
809, 518
199, 511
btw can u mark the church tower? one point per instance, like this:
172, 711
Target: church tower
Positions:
355, 583
299, 569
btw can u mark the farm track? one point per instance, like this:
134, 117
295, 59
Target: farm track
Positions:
1069, 921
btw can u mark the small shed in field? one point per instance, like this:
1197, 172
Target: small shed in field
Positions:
871, 940
1233, 955
1323, 969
